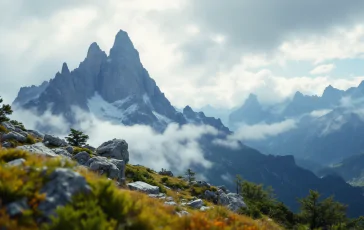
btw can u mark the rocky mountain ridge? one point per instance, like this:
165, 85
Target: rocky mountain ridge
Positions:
327, 128
114, 87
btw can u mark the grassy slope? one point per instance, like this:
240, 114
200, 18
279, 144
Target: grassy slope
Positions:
108, 207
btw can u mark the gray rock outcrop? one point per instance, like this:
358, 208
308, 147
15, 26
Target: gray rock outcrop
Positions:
63, 184
38, 148
112, 168
235, 202
16, 162
17, 207
14, 136
54, 141
144, 187
62, 152
82, 158
197, 204
115, 148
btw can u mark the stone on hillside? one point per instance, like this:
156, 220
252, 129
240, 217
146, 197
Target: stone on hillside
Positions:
183, 213
112, 168
235, 202
160, 195
16, 162
38, 148
89, 147
223, 199
170, 203
82, 157
8, 125
201, 183
14, 136
223, 188
210, 195
69, 149
166, 173
204, 208
17, 207
36, 133
6, 144
54, 141
62, 185
115, 148
195, 204
62, 152
144, 187
21, 132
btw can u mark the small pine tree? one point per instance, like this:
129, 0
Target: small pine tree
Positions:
5, 110
190, 175
77, 138
238, 181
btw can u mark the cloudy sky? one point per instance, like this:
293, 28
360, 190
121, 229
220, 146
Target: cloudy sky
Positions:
216, 51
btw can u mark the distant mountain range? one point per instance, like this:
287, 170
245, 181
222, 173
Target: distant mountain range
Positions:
327, 129
117, 88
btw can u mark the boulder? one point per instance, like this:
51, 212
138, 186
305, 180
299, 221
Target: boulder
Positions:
38, 148
112, 168
235, 202
6, 144
8, 125
36, 133
115, 148
82, 157
17, 207
183, 213
21, 132
54, 141
62, 185
160, 195
166, 173
210, 195
223, 199
14, 136
201, 183
144, 187
170, 203
204, 208
69, 149
16, 162
89, 147
62, 152
195, 204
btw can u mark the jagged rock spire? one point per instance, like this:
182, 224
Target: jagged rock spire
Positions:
65, 69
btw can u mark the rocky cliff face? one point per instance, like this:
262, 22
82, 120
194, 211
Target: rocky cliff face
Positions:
114, 87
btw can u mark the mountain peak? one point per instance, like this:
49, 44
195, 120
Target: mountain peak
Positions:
93, 50
65, 70
122, 41
298, 95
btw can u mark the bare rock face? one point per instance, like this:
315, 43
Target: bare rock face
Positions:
119, 80
112, 168
54, 141
144, 187
63, 184
115, 148
38, 148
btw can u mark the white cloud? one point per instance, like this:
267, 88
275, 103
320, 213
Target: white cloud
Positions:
320, 113
177, 148
256, 132
322, 69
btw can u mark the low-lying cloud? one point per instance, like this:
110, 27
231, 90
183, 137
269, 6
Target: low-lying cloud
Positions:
256, 132
177, 148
